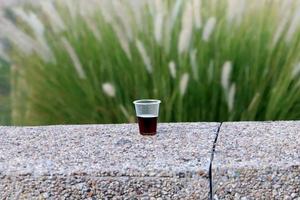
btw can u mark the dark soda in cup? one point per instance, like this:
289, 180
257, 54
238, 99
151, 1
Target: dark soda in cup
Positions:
147, 115
147, 124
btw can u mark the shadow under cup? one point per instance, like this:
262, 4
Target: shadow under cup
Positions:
147, 115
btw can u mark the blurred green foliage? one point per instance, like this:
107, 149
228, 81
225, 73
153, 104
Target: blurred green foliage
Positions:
4, 94
78, 62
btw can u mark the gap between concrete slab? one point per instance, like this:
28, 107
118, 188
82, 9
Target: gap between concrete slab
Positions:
211, 161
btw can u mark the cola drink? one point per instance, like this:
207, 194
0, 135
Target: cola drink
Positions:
147, 114
147, 124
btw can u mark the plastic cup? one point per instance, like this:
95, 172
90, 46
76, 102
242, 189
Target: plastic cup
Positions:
147, 115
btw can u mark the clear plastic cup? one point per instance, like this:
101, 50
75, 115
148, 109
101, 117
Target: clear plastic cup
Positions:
147, 115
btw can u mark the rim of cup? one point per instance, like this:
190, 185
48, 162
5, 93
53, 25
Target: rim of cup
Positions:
146, 101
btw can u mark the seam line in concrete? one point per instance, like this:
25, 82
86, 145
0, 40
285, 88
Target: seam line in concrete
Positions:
211, 161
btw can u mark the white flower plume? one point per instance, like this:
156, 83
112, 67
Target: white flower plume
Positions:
197, 13
172, 68
225, 76
186, 32
3, 54
21, 40
231, 95
296, 70
31, 19
235, 10
124, 42
92, 26
280, 29
137, 11
74, 57
123, 17
183, 83
158, 21
56, 22
109, 89
175, 13
294, 25
144, 55
208, 28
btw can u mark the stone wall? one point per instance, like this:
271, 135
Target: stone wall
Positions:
246, 160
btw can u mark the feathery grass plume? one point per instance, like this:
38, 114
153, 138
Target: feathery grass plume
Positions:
208, 28
36, 25
20, 39
144, 55
107, 10
109, 89
235, 10
284, 6
197, 13
184, 80
88, 9
137, 9
158, 21
32, 20
56, 22
3, 54
124, 42
284, 17
171, 17
186, 32
92, 26
172, 68
280, 28
74, 58
296, 70
44, 51
72, 6
194, 64
231, 96
123, 17
294, 25
175, 13
225, 76
151, 8
20, 13
158, 24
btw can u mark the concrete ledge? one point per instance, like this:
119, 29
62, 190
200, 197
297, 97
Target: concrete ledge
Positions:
111, 161
257, 160
252, 160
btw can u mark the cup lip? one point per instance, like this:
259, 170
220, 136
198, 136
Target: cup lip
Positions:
149, 101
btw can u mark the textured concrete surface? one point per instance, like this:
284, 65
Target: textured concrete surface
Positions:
106, 161
257, 160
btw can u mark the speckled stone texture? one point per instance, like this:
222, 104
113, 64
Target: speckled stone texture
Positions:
106, 162
257, 160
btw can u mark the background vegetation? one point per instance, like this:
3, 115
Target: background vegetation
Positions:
4, 94
207, 60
